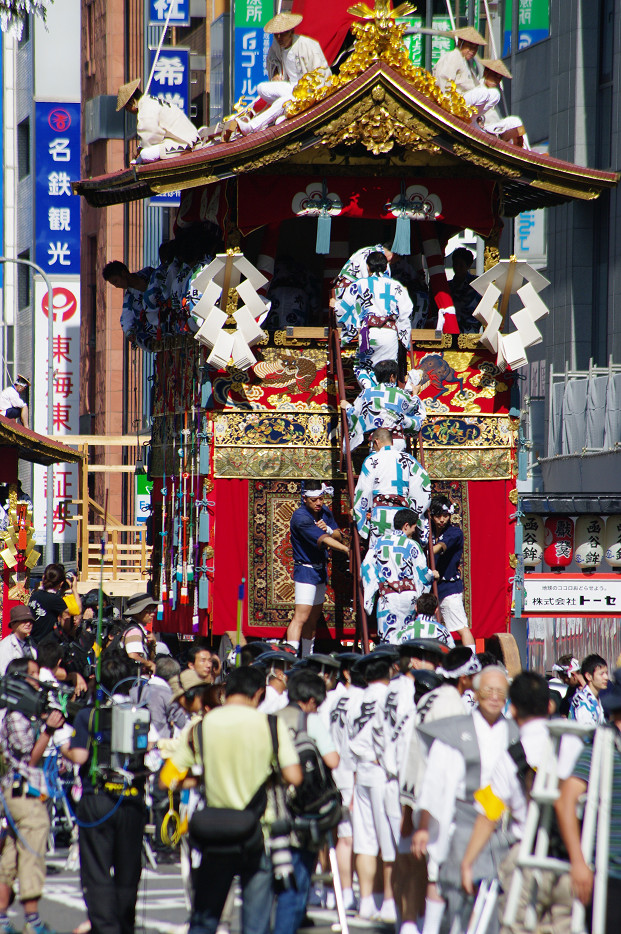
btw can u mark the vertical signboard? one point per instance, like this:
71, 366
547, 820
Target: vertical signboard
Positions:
57, 209
534, 23
65, 399
530, 231
158, 12
251, 45
171, 84
143, 488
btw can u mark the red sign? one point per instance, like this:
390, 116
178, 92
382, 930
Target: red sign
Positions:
65, 304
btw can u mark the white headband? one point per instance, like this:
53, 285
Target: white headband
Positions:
320, 491
570, 669
450, 509
471, 667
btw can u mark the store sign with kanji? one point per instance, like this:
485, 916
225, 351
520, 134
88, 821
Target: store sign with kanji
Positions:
572, 595
57, 209
65, 400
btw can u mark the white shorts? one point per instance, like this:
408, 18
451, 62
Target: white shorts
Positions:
344, 829
371, 826
310, 594
453, 612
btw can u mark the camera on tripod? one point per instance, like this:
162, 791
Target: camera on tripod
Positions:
280, 853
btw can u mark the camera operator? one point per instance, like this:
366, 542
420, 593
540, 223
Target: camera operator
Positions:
237, 759
24, 792
114, 803
77, 646
19, 644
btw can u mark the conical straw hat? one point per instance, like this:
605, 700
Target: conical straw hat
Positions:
495, 65
125, 92
283, 22
469, 34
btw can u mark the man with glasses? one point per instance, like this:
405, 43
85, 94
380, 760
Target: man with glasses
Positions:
462, 757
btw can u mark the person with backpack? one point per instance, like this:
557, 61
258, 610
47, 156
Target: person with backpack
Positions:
509, 790
318, 756
235, 746
137, 635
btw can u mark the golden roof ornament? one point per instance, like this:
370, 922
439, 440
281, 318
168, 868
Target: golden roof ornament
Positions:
379, 38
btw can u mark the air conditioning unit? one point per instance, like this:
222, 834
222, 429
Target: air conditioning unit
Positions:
101, 120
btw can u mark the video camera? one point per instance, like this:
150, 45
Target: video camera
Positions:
17, 693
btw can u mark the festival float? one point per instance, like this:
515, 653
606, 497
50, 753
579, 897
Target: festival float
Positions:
243, 413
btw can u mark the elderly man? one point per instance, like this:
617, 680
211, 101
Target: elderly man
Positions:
163, 129
459, 65
290, 58
462, 756
12, 400
313, 530
384, 406
18, 644
389, 480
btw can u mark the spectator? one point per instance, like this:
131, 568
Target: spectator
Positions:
23, 856
586, 706
137, 638
47, 602
231, 780
203, 662
19, 644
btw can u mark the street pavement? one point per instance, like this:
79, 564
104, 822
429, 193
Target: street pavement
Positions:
161, 906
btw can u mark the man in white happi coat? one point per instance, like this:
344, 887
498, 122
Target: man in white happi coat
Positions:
385, 405
396, 571
389, 481
462, 756
334, 712
371, 828
375, 311
290, 58
356, 267
459, 65
163, 129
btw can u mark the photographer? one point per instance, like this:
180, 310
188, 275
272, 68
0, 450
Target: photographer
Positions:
111, 812
77, 647
55, 594
237, 754
24, 791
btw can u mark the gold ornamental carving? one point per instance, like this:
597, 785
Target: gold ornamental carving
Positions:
378, 39
282, 153
379, 128
469, 464
260, 463
464, 152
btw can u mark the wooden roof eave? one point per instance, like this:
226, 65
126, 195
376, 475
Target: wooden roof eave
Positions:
33, 447
528, 179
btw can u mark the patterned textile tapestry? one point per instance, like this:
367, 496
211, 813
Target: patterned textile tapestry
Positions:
270, 559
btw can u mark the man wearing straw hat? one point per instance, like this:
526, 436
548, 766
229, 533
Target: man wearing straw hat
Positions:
290, 58
484, 99
459, 65
163, 129
13, 400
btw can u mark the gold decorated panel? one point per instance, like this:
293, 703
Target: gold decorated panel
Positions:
282, 463
283, 429
469, 431
474, 464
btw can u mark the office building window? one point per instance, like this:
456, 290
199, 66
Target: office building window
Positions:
23, 149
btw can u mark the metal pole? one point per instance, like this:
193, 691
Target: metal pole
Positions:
49, 520
159, 47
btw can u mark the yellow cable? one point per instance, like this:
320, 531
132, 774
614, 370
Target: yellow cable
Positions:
171, 825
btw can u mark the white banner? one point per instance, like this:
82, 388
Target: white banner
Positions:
572, 595
65, 401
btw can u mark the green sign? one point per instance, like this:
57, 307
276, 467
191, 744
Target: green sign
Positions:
142, 489
534, 23
439, 44
253, 14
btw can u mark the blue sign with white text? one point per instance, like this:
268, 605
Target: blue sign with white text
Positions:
171, 78
57, 209
158, 11
251, 48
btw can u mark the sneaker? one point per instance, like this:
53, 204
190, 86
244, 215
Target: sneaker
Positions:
8, 928
39, 928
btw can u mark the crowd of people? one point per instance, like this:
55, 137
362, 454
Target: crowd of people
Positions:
428, 747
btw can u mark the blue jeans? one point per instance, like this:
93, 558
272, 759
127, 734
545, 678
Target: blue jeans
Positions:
212, 881
291, 904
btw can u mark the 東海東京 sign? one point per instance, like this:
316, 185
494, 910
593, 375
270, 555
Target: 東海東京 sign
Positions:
572, 595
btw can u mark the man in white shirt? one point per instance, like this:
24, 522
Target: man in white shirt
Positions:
276, 665
462, 756
18, 644
12, 402
529, 695
163, 129
290, 58
459, 65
